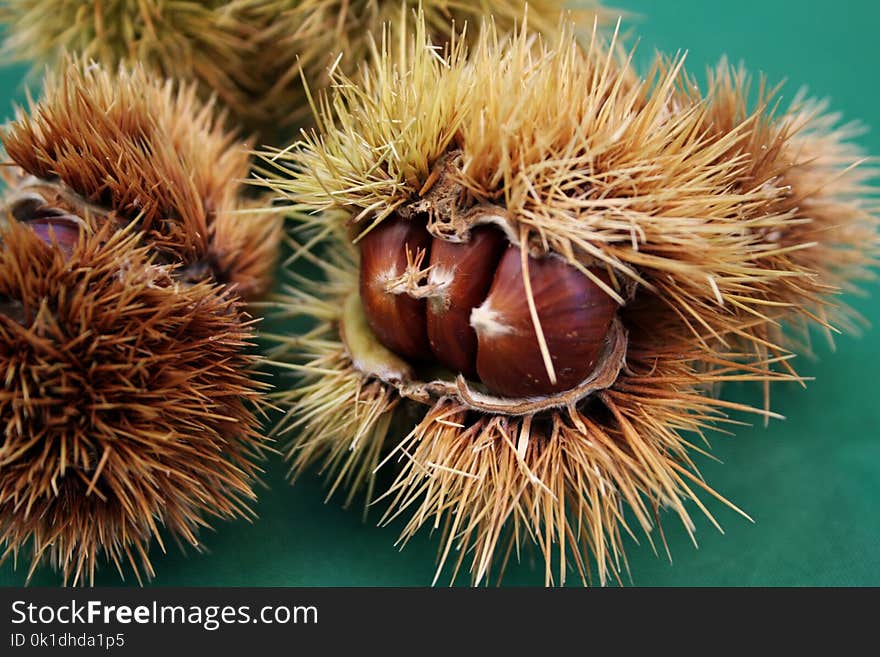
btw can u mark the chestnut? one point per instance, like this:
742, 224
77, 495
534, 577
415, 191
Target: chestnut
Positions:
52, 225
463, 274
575, 315
62, 232
398, 319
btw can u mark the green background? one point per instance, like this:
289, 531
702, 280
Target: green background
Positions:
811, 482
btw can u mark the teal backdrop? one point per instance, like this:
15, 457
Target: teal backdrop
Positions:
811, 482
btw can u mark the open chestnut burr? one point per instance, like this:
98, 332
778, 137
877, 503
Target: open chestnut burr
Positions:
536, 270
130, 402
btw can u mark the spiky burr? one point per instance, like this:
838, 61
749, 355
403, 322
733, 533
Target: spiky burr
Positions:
130, 396
252, 54
688, 212
127, 403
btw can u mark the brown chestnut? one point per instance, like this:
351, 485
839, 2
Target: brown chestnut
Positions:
398, 319
575, 315
462, 274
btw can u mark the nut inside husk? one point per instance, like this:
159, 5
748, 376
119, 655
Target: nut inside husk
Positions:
374, 360
511, 327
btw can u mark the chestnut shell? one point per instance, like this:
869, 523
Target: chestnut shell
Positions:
470, 268
398, 320
575, 315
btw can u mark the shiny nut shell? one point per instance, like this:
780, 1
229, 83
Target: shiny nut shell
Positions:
575, 315
398, 320
60, 231
464, 273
